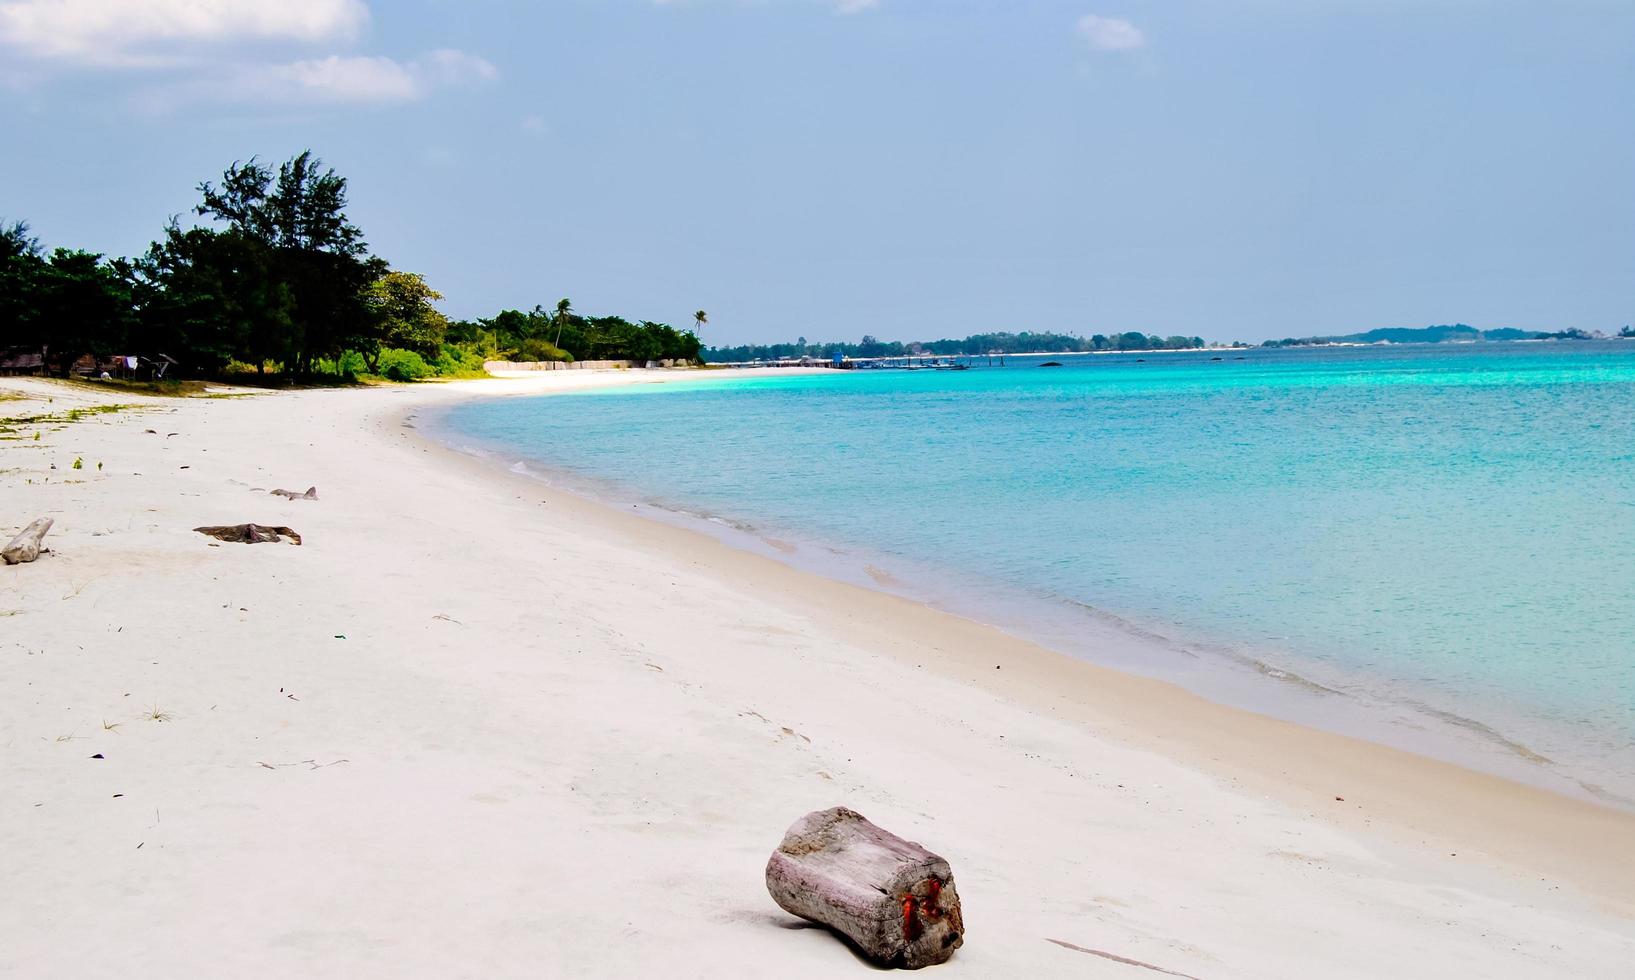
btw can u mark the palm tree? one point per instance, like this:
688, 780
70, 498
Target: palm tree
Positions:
563, 308
699, 319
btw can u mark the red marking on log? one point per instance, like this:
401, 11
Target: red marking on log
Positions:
911, 925
933, 889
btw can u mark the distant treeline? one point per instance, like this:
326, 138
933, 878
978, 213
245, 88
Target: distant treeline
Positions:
1452, 333
563, 335
976, 344
278, 281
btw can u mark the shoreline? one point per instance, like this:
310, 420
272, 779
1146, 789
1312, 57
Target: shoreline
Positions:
580, 754
1305, 693
1257, 731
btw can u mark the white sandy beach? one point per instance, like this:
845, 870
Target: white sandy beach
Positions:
478, 727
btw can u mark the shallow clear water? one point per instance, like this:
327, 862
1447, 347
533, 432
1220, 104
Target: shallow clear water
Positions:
1448, 527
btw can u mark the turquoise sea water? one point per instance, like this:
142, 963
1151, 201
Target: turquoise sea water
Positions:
1439, 537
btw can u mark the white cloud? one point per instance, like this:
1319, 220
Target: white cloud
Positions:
1111, 33
113, 32
447, 66
248, 51
354, 80
331, 79
855, 6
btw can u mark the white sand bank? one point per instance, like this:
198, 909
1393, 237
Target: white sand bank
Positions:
559, 741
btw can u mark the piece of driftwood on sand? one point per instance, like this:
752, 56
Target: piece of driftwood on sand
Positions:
26, 545
250, 533
892, 898
311, 494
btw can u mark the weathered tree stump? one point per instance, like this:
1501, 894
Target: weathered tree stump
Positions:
892, 898
311, 494
250, 533
26, 546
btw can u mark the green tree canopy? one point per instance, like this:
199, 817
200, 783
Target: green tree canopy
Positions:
22, 273
81, 305
402, 304
206, 296
313, 252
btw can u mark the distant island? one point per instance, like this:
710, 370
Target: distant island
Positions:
975, 345
1458, 333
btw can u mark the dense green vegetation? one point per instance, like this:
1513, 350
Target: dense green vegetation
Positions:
278, 280
562, 334
976, 344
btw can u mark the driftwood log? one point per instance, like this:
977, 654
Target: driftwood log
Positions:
26, 546
250, 533
892, 898
311, 494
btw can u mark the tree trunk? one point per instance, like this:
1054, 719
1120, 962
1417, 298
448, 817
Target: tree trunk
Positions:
26, 545
892, 898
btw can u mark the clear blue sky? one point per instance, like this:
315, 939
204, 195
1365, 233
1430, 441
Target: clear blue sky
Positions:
1236, 169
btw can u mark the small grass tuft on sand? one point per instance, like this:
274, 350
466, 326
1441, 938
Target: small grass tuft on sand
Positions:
10, 425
